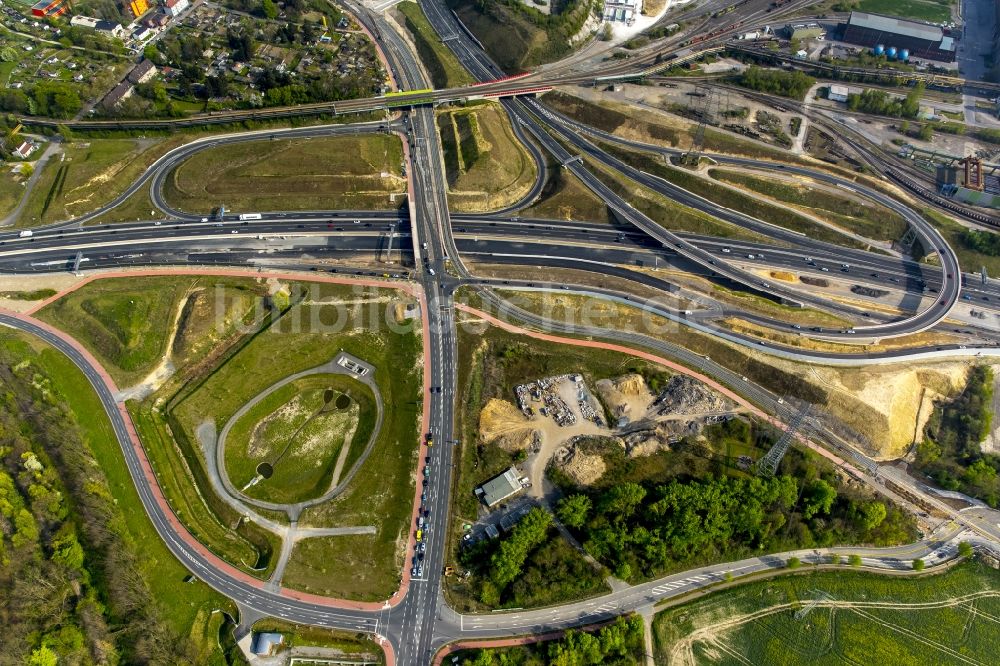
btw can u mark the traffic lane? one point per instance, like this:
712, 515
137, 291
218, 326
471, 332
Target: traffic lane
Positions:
372, 240
931, 238
800, 259
349, 237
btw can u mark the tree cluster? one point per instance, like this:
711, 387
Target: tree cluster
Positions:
881, 103
55, 99
793, 84
985, 242
643, 530
69, 574
531, 566
951, 453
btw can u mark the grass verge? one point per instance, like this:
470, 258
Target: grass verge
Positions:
322, 173
442, 65
866, 219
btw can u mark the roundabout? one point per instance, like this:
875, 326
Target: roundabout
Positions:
299, 442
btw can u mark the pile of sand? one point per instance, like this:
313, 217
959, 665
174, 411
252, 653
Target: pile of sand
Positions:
626, 396
503, 424
583, 468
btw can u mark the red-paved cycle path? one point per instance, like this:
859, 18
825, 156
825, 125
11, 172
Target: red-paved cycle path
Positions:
147, 470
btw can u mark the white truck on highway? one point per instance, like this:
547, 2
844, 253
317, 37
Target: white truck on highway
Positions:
249, 216
25, 234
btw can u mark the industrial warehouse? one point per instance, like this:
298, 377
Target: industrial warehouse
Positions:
900, 36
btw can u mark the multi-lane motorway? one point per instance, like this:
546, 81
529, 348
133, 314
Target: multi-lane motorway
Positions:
419, 622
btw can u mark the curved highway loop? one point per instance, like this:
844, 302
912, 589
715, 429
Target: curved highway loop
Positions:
931, 238
293, 509
482, 67
161, 170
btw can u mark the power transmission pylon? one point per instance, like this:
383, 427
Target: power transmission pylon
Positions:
768, 465
709, 97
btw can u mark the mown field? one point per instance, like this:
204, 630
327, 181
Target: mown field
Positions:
355, 172
946, 618
934, 11
487, 167
299, 432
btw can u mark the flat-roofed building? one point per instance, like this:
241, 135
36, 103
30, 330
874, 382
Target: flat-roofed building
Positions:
921, 40
499, 488
838, 93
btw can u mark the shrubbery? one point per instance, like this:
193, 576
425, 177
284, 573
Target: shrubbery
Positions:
950, 452
777, 82
619, 644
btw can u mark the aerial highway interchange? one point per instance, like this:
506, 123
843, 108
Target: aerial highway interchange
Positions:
434, 245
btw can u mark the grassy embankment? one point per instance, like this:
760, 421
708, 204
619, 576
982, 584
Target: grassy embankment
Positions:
487, 167
564, 197
92, 173
300, 434
866, 219
664, 211
441, 64
220, 367
354, 172
188, 610
127, 325
769, 621
753, 206
517, 36
356, 646
969, 259
655, 128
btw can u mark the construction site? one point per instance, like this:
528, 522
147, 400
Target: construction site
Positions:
553, 414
